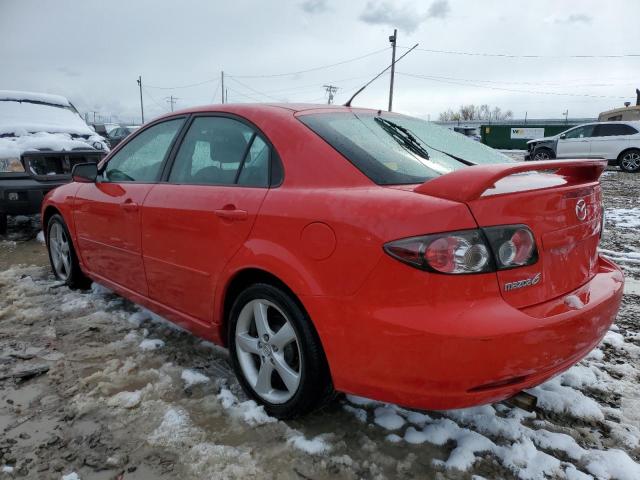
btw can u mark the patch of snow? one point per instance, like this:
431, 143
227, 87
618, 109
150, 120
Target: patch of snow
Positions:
613, 463
248, 411
7, 469
138, 318
624, 217
315, 446
40, 237
151, 344
191, 378
98, 289
71, 476
573, 301
126, 400
387, 418
555, 397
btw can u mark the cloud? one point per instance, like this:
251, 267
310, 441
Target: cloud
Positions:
314, 6
406, 17
573, 18
439, 9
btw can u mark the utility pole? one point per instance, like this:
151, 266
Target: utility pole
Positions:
566, 116
222, 86
330, 89
171, 100
393, 38
141, 104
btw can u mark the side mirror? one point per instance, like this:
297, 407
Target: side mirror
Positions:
84, 172
563, 136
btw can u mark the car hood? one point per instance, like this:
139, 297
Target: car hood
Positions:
543, 139
15, 146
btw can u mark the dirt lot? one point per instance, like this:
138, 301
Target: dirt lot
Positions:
93, 387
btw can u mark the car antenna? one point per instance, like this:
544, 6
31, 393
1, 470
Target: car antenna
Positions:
348, 103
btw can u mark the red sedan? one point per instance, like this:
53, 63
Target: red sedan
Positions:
342, 249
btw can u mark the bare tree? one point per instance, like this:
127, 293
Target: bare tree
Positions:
475, 112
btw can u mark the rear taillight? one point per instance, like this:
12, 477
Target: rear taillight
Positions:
512, 245
468, 251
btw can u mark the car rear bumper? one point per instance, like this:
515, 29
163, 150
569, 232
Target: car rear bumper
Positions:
23, 196
462, 348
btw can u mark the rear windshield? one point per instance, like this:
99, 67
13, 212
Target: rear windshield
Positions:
394, 149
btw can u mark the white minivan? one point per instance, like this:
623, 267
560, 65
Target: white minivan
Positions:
618, 142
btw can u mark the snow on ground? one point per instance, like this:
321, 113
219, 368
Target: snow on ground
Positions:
624, 217
108, 404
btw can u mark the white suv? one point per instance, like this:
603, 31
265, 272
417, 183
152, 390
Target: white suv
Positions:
618, 142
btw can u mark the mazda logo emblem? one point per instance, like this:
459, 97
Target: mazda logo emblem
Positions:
581, 210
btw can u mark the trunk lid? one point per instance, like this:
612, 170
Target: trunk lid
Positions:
563, 209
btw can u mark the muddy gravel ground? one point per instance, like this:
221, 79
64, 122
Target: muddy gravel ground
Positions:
93, 387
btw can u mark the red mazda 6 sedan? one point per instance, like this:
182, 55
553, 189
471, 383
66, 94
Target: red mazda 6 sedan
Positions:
344, 249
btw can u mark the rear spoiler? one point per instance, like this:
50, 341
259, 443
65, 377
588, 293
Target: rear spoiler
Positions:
470, 183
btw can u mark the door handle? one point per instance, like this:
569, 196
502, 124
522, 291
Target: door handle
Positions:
129, 206
232, 213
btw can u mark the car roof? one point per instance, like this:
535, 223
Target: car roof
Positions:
264, 108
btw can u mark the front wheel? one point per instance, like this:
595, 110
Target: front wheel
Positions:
62, 255
276, 353
630, 161
543, 154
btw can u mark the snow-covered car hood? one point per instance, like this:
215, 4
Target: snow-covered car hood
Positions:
34, 121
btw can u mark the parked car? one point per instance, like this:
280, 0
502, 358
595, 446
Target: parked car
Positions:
352, 250
617, 142
120, 133
41, 138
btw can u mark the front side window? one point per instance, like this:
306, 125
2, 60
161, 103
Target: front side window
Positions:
141, 159
395, 149
221, 151
614, 130
580, 132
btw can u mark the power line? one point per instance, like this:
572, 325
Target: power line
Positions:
253, 89
144, 89
537, 92
315, 68
508, 55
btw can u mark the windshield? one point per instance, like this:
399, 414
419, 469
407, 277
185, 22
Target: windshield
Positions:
394, 149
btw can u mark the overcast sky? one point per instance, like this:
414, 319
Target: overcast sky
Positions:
93, 51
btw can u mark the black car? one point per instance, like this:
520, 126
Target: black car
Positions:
118, 134
41, 138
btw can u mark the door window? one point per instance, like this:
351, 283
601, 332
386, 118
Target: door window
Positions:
580, 132
221, 151
614, 129
141, 159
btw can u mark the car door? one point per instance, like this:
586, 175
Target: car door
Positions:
575, 143
193, 223
107, 212
610, 139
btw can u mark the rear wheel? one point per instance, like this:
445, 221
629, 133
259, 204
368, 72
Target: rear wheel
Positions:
3, 223
543, 154
276, 353
62, 255
630, 161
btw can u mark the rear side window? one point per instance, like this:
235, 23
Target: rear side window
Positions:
141, 159
614, 129
221, 151
394, 149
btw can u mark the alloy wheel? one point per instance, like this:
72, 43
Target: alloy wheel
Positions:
631, 161
268, 350
541, 156
60, 251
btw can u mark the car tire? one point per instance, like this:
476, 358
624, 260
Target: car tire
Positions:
543, 154
276, 353
3, 223
62, 255
629, 160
